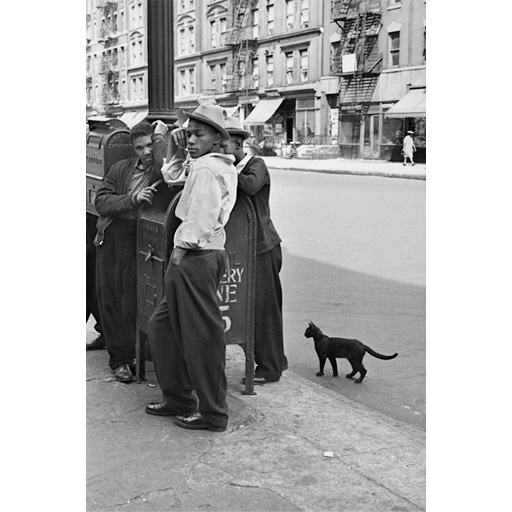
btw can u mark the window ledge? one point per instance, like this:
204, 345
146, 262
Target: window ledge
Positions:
393, 7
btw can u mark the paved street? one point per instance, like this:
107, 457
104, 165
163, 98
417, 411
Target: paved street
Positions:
354, 263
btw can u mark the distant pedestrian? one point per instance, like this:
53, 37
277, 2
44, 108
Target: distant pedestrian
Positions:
409, 147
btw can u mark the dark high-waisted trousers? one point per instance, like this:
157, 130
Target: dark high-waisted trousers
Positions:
186, 337
116, 288
268, 322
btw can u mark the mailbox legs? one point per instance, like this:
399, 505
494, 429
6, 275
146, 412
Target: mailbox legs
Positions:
140, 359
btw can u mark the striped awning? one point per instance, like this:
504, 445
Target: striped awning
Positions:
413, 104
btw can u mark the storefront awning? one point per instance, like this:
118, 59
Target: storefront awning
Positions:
263, 111
231, 111
133, 118
413, 104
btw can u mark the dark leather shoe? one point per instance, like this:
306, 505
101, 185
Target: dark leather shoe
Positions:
97, 344
164, 409
194, 421
123, 374
259, 380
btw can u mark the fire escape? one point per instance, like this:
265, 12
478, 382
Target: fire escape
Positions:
356, 58
109, 68
243, 45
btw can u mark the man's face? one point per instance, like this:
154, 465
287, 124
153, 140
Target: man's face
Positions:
144, 149
201, 138
228, 146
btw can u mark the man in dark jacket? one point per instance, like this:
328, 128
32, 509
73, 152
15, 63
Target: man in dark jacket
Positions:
128, 184
254, 180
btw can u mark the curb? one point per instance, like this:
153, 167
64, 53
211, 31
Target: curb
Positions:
354, 173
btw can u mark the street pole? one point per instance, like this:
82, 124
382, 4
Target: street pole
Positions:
160, 37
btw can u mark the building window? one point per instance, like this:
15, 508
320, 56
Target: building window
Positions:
141, 88
255, 74
223, 31
289, 68
213, 35
270, 19
290, 13
133, 18
186, 37
223, 77
140, 15
394, 49
181, 41
122, 24
304, 14
218, 30
304, 64
395, 2
219, 77
255, 24
186, 84
305, 121
191, 40
270, 70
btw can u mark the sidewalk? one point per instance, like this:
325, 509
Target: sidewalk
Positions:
294, 446
381, 168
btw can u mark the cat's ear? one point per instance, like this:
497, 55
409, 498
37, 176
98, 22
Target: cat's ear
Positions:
310, 324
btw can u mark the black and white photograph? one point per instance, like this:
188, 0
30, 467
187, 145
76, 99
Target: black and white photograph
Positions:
260, 331
256, 186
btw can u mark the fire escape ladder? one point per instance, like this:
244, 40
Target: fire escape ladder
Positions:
240, 45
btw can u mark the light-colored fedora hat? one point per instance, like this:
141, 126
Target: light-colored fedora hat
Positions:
234, 127
410, 131
214, 115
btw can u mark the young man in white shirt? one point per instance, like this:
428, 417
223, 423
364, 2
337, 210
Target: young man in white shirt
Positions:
186, 331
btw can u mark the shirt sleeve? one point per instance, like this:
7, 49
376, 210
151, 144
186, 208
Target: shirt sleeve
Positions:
108, 202
253, 177
202, 210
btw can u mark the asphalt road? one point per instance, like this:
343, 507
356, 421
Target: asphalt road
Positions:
354, 263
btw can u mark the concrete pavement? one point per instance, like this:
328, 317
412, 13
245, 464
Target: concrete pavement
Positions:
381, 168
294, 446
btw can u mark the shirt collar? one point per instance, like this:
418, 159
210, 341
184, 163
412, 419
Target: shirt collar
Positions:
240, 165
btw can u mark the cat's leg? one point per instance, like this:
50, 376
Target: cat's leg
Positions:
354, 370
334, 365
362, 371
322, 364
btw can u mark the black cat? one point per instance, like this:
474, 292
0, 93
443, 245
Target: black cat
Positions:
331, 348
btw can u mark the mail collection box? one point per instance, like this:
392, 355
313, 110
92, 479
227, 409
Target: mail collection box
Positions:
156, 227
108, 141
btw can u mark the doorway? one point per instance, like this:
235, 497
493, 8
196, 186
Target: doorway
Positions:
370, 147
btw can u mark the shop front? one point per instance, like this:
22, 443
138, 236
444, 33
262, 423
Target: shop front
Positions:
407, 114
377, 131
291, 127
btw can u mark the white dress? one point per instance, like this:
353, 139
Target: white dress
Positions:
408, 146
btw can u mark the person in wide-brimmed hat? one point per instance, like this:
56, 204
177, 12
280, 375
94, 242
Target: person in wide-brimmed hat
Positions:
254, 180
408, 148
186, 331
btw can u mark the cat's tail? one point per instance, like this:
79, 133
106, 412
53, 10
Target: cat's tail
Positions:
377, 355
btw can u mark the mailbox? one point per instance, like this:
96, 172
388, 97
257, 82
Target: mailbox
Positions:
108, 141
156, 227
